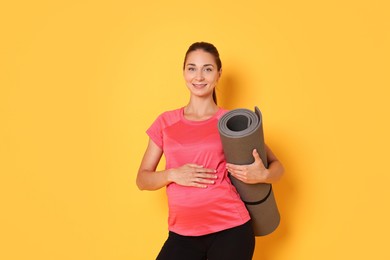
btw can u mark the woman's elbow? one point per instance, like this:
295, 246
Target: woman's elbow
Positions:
140, 184
276, 172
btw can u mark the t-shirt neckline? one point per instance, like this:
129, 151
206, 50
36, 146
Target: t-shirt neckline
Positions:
196, 122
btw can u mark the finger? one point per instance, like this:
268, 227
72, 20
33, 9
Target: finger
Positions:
256, 155
235, 166
194, 165
198, 185
238, 172
204, 181
240, 169
210, 176
206, 176
232, 171
205, 170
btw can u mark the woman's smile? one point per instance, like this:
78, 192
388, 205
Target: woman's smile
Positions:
199, 85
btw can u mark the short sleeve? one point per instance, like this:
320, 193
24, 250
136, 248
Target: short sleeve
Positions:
155, 132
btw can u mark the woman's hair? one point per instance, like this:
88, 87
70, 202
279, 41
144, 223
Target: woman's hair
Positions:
207, 47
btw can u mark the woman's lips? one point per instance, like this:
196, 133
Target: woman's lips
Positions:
199, 85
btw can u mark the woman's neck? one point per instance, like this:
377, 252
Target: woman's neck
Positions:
200, 109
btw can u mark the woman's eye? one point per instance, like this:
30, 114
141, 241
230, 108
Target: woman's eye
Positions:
191, 69
208, 69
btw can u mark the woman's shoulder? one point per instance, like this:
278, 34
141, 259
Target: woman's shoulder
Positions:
172, 113
170, 116
222, 111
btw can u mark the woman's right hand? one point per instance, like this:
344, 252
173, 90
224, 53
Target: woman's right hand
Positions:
192, 175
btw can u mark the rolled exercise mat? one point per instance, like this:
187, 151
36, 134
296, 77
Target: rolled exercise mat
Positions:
241, 131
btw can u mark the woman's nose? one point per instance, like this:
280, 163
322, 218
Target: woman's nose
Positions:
199, 75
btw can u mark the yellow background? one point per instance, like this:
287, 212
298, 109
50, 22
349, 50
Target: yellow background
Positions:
82, 80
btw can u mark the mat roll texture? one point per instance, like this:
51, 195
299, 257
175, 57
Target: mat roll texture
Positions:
241, 131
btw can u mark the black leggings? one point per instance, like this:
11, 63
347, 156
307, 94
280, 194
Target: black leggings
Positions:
236, 243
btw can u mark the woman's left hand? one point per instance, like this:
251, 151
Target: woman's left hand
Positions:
251, 173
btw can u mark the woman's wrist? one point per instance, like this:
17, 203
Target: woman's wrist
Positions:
170, 176
266, 176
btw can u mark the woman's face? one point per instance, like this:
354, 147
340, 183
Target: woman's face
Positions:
201, 73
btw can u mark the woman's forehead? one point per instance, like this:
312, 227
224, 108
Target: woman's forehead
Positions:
200, 57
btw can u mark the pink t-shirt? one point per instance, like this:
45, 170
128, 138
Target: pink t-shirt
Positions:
197, 211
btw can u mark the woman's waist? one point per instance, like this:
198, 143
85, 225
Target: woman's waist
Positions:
215, 194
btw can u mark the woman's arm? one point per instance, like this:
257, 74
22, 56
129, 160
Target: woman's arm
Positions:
256, 172
187, 175
148, 178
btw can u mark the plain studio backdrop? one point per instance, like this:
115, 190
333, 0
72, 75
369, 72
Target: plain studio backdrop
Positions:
81, 81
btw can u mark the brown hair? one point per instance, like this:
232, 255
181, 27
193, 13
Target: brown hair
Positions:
207, 47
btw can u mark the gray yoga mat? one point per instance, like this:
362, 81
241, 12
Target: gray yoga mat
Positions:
241, 131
